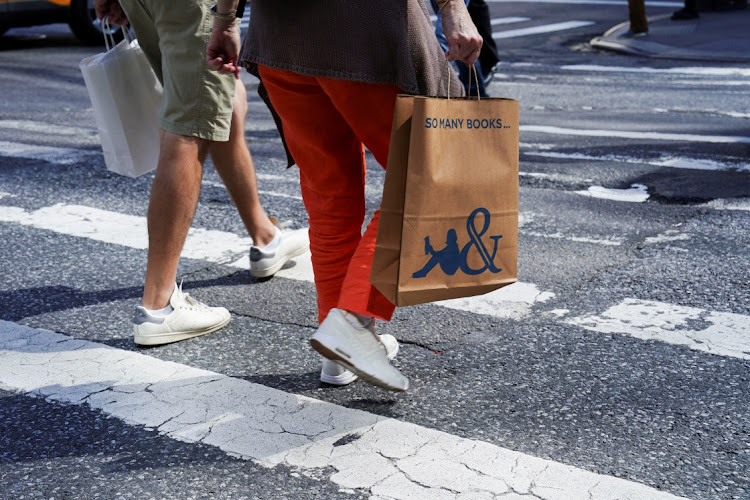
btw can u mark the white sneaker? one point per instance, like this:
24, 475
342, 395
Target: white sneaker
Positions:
268, 260
335, 374
342, 338
190, 318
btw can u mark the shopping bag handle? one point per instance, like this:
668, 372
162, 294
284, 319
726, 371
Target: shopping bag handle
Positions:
473, 69
109, 38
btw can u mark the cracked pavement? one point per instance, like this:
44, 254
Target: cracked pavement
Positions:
387, 457
621, 351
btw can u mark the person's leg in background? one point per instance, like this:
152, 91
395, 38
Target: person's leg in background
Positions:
689, 11
191, 117
473, 82
174, 197
462, 70
488, 57
234, 164
331, 160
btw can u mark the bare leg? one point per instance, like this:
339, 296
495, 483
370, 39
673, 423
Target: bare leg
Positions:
234, 165
174, 196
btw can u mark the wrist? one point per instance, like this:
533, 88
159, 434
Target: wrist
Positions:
442, 4
224, 16
225, 23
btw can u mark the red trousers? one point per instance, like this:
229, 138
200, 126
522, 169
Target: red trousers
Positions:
327, 124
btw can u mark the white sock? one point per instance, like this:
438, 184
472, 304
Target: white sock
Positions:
160, 313
274, 242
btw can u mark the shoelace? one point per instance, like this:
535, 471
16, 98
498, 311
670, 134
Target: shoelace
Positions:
194, 303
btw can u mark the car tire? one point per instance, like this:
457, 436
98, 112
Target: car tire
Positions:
86, 27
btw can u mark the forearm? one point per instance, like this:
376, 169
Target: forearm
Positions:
445, 5
454, 10
464, 41
226, 6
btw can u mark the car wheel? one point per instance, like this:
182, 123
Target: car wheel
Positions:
86, 26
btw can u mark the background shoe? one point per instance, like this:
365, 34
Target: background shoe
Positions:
265, 263
489, 75
190, 318
335, 374
342, 338
634, 34
684, 14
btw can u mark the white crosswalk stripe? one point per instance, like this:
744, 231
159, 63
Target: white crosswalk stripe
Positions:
631, 134
537, 30
640, 319
226, 248
725, 334
497, 21
61, 156
624, 3
385, 456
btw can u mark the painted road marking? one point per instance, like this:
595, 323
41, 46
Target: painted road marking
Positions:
637, 193
732, 204
662, 161
225, 248
724, 334
125, 230
536, 30
513, 301
607, 242
383, 456
592, 2
668, 236
62, 156
679, 70
49, 128
66, 156
497, 21
630, 134
130, 230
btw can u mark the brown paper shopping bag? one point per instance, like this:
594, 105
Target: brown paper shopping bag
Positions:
449, 215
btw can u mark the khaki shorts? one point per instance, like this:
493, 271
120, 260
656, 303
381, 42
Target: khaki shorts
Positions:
174, 34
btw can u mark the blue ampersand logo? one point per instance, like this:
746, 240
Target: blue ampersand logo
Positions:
451, 259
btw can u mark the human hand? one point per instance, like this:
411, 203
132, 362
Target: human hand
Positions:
464, 41
112, 10
222, 53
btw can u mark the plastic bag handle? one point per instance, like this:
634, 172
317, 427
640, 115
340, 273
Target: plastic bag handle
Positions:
109, 41
109, 38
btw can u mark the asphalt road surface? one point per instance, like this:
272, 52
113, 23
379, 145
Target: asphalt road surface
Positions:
617, 367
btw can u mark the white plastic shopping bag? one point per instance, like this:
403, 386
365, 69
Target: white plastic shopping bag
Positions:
126, 96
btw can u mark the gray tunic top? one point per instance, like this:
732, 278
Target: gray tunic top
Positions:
373, 41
